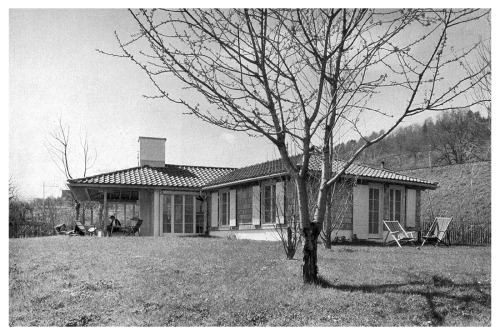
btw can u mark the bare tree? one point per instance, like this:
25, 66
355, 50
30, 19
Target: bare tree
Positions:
63, 155
296, 76
339, 205
482, 87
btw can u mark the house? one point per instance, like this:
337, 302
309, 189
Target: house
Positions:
248, 202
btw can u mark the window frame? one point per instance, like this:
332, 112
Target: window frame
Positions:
371, 202
224, 214
273, 210
172, 212
393, 214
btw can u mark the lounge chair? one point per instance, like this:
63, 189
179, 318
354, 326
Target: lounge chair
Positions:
61, 229
398, 234
437, 231
136, 228
79, 228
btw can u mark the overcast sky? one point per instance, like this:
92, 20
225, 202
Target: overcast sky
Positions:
55, 72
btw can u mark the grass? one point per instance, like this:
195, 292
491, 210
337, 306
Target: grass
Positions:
180, 281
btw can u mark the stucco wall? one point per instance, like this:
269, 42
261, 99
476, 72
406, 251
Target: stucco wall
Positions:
146, 211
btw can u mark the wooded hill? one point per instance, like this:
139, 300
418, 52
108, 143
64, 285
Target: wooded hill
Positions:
464, 192
455, 137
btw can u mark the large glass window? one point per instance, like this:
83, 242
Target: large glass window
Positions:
373, 210
199, 215
167, 213
179, 213
189, 214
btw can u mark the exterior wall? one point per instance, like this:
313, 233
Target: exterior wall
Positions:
146, 212
418, 206
353, 201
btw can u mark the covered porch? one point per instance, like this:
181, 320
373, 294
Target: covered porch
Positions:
121, 202
163, 210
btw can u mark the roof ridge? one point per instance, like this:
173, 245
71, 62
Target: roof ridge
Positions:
198, 166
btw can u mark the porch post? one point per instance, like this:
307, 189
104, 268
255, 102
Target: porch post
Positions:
83, 213
105, 218
124, 213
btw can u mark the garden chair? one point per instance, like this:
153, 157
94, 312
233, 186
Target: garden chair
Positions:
136, 228
61, 228
398, 234
92, 231
437, 231
79, 228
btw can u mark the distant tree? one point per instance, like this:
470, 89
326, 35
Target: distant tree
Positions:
18, 212
482, 86
63, 155
460, 136
299, 76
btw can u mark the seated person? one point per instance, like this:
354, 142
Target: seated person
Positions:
114, 225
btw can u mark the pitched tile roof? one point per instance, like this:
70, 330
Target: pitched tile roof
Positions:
168, 176
276, 167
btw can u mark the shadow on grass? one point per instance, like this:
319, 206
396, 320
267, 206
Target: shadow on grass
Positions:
198, 235
437, 319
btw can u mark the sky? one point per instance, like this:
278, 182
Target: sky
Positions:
56, 73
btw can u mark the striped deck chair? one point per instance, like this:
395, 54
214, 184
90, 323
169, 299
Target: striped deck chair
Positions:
437, 232
397, 233
79, 228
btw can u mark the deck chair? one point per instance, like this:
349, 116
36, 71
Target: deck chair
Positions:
437, 231
60, 228
136, 228
79, 228
398, 234
92, 231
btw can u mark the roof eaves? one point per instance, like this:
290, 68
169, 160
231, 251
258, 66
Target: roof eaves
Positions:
243, 181
429, 185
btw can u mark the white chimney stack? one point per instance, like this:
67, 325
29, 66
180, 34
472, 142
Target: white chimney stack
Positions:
152, 151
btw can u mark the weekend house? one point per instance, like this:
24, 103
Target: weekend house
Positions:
249, 202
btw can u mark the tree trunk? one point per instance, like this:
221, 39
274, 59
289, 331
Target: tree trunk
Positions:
77, 210
290, 252
327, 242
310, 252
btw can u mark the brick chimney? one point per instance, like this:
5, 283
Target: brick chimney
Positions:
382, 165
152, 151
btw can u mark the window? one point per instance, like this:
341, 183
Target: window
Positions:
269, 199
395, 199
224, 208
373, 210
178, 213
199, 215
189, 214
167, 213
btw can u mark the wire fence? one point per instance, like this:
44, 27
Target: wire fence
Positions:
463, 234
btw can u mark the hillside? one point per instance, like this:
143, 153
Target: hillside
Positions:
464, 192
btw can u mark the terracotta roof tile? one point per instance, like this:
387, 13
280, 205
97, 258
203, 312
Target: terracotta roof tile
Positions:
168, 176
277, 167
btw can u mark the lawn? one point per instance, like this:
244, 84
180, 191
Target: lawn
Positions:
195, 281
